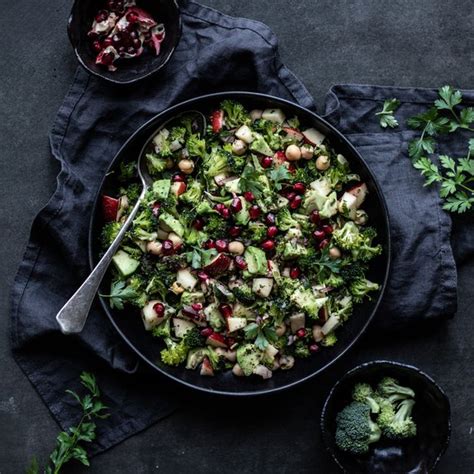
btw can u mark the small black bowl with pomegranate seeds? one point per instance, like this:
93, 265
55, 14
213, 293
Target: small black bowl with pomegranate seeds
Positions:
124, 41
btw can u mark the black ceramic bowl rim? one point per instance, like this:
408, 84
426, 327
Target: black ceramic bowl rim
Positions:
141, 76
189, 105
392, 363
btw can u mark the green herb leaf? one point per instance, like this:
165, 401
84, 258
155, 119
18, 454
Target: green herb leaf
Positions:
261, 341
460, 202
251, 330
119, 294
199, 258
278, 175
449, 98
386, 114
428, 169
249, 181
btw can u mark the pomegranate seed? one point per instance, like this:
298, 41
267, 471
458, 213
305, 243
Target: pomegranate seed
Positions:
327, 229
221, 245
159, 309
272, 231
131, 50
313, 348
267, 161
249, 196
108, 58
97, 46
203, 276
132, 17
254, 212
121, 50
291, 168
240, 262
299, 188
206, 332
323, 244
93, 36
295, 272
236, 205
314, 217
101, 16
198, 224
268, 245
226, 310
301, 333
197, 306
167, 247
155, 210
209, 244
296, 202
179, 178
225, 213
219, 207
270, 219
133, 35
319, 234
117, 38
137, 44
290, 195
235, 231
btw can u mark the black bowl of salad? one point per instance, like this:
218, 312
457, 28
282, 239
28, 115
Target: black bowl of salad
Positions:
386, 417
258, 257
124, 41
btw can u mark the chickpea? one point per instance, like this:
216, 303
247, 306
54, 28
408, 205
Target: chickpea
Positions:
280, 329
237, 370
186, 166
176, 239
286, 362
176, 288
236, 247
361, 217
293, 153
154, 247
307, 152
334, 253
162, 234
318, 334
239, 147
323, 163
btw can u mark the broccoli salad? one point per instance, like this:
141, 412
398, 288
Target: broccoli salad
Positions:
251, 247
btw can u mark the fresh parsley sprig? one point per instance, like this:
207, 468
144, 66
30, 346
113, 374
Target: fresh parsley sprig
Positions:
261, 333
119, 294
387, 118
249, 181
69, 443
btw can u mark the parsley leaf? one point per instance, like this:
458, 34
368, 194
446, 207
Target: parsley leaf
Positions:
449, 98
386, 114
249, 181
278, 175
199, 258
119, 294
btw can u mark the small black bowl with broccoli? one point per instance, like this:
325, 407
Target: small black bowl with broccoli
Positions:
386, 417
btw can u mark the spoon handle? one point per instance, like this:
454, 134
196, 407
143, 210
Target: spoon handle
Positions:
73, 315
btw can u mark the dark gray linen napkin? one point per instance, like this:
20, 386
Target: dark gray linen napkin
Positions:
216, 52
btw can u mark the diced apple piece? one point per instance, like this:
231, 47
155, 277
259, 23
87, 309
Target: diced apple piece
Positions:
360, 192
234, 324
297, 321
182, 326
256, 114
220, 179
293, 133
314, 136
274, 115
149, 316
271, 351
176, 239
178, 188
262, 286
263, 372
186, 279
322, 186
348, 205
245, 134
332, 323
220, 264
216, 340
206, 368
110, 207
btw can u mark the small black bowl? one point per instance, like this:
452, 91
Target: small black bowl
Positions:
130, 70
431, 414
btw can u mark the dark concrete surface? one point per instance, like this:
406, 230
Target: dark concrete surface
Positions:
423, 43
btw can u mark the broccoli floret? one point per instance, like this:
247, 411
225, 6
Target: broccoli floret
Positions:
127, 171
193, 338
178, 134
363, 393
109, 232
256, 231
175, 352
329, 340
217, 361
216, 227
235, 114
301, 350
204, 207
390, 386
155, 164
402, 425
360, 288
193, 193
236, 163
348, 236
244, 294
351, 271
163, 330
386, 412
355, 430
145, 220
132, 192
306, 300
248, 357
189, 298
366, 251
334, 281
286, 287
342, 307
217, 164
285, 220
196, 146
291, 250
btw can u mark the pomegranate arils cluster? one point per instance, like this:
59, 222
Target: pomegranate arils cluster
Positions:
121, 31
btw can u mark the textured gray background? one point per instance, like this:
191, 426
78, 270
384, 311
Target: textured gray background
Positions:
422, 43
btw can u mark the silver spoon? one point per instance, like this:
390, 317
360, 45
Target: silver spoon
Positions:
73, 315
